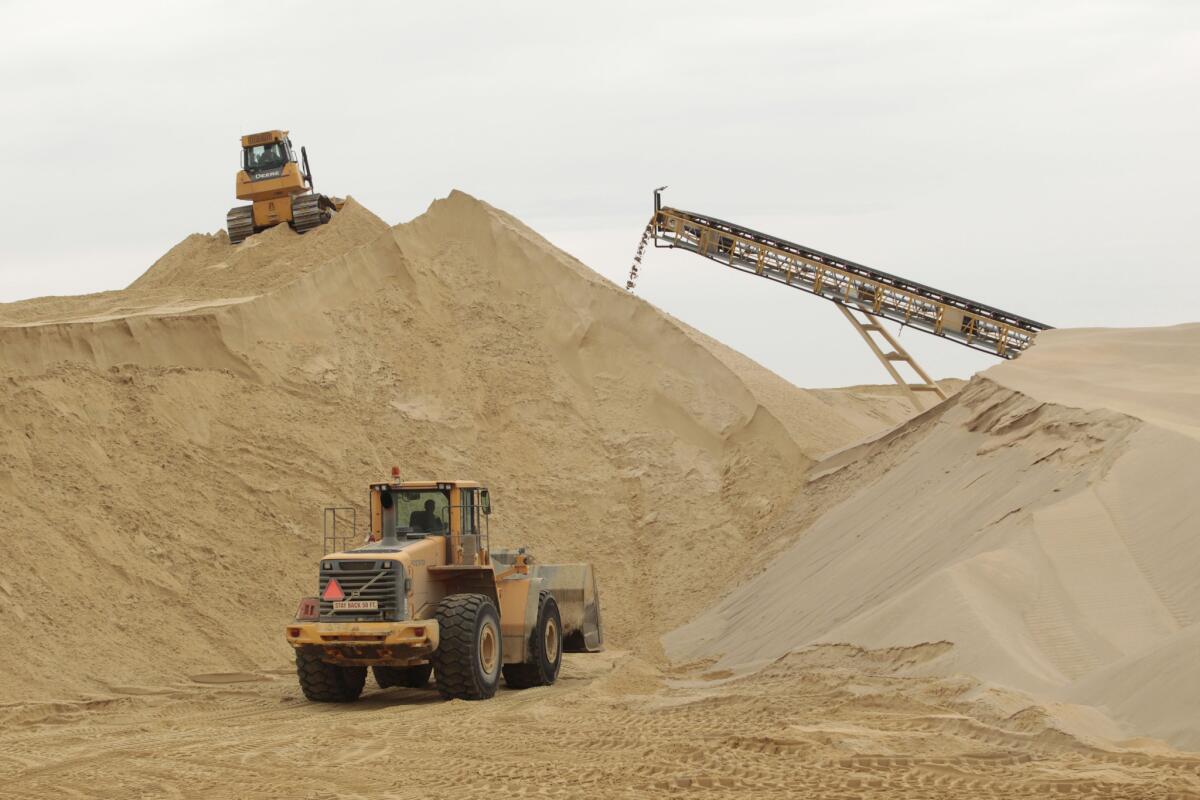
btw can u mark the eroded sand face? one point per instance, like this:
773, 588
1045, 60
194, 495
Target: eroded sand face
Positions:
1043, 520
166, 449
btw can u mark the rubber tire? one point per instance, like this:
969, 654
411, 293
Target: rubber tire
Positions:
456, 664
328, 683
415, 677
539, 670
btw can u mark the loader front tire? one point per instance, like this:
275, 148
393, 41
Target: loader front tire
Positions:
409, 677
328, 683
545, 649
467, 661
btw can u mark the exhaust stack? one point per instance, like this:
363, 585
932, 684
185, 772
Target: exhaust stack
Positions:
387, 519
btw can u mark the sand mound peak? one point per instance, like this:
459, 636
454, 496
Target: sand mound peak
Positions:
1152, 374
204, 271
205, 264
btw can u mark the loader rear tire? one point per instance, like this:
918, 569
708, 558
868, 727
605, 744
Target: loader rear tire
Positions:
328, 683
409, 677
545, 649
467, 661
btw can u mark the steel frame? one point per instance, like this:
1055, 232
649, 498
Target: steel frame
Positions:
897, 355
334, 521
877, 294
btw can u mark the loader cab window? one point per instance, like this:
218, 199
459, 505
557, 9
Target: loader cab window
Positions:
265, 156
420, 513
469, 520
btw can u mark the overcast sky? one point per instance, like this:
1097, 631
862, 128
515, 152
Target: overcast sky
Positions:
1037, 156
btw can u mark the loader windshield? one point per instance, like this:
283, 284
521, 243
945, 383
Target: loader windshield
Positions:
420, 512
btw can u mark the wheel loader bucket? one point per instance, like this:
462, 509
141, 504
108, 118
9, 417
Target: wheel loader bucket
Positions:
573, 586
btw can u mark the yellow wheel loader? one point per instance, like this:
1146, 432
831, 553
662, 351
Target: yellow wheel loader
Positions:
280, 185
426, 594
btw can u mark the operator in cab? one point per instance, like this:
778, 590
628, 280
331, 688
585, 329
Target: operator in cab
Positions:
425, 521
267, 156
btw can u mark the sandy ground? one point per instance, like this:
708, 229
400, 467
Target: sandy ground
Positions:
973, 603
835, 722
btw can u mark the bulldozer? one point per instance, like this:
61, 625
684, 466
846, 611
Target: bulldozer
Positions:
280, 185
424, 594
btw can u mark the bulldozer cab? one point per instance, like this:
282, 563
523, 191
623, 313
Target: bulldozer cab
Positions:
267, 156
266, 152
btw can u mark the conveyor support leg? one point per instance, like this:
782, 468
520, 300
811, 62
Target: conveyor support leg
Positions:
873, 326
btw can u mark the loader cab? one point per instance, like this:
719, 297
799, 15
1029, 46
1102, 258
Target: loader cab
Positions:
454, 510
420, 513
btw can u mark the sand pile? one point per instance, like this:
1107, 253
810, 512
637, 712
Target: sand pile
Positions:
1043, 521
165, 450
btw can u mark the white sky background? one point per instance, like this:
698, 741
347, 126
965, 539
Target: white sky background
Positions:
1037, 156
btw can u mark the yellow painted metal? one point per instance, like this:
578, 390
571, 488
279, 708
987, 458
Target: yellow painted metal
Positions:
367, 643
874, 325
266, 137
376, 516
272, 212
413, 633
290, 182
436, 567
417, 486
977, 330
274, 192
514, 598
456, 549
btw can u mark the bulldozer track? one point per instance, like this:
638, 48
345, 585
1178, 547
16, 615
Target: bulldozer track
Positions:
239, 222
309, 211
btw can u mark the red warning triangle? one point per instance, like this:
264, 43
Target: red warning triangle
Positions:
333, 591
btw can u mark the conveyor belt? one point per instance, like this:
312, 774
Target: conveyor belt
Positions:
882, 294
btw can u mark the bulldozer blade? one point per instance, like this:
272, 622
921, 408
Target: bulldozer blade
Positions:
573, 587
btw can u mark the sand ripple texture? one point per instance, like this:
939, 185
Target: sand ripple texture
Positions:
829, 723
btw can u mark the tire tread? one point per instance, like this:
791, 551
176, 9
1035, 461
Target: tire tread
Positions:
328, 683
454, 659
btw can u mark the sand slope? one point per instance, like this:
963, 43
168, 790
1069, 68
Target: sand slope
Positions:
1043, 521
166, 450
